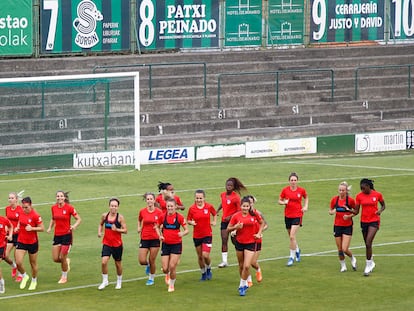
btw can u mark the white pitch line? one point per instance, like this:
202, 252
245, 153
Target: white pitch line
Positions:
208, 188
323, 253
97, 172
353, 166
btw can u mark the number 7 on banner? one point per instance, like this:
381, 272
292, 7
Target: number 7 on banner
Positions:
53, 6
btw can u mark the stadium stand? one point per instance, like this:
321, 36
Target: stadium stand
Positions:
247, 95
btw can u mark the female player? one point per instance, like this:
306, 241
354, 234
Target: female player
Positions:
113, 224
367, 200
6, 234
171, 237
342, 206
248, 232
62, 212
30, 223
13, 210
199, 216
255, 263
291, 197
167, 192
230, 204
149, 246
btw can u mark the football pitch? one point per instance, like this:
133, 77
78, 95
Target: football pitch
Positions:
313, 284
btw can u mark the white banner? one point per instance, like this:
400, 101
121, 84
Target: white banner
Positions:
103, 159
119, 158
220, 151
167, 155
282, 147
378, 142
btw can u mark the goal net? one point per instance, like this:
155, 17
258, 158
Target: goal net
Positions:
46, 120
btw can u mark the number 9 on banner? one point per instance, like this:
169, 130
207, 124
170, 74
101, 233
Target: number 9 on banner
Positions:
319, 19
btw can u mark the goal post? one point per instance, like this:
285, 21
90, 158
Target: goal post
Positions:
22, 99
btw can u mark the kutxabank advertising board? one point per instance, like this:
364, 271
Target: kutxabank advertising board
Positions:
16, 30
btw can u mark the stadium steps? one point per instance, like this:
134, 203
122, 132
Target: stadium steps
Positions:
178, 105
85, 129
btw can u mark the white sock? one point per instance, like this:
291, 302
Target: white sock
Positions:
172, 282
297, 248
64, 274
151, 277
104, 277
249, 278
292, 253
342, 263
119, 278
224, 256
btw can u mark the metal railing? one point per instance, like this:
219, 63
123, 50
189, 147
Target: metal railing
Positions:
151, 65
277, 74
358, 69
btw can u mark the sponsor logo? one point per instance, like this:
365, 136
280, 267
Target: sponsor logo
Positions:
85, 24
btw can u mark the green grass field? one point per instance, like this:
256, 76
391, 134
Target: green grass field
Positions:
313, 284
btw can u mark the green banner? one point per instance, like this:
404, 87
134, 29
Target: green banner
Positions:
84, 25
285, 22
346, 20
243, 26
171, 24
338, 144
16, 27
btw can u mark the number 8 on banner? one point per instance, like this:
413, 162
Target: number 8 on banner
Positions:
146, 28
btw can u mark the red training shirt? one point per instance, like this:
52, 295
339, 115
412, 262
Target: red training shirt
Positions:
171, 234
13, 214
245, 235
163, 204
369, 205
149, 220
339, 216
294, 207
112, 238
202, 217
230, 204
61, 216
4, 226
33, 219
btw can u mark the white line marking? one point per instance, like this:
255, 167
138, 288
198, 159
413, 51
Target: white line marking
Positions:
207, 188
353, 166
97, 172
323, 253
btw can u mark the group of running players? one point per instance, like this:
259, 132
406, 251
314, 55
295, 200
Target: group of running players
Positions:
160, 226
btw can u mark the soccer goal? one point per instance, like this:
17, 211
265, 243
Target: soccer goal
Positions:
61, 115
